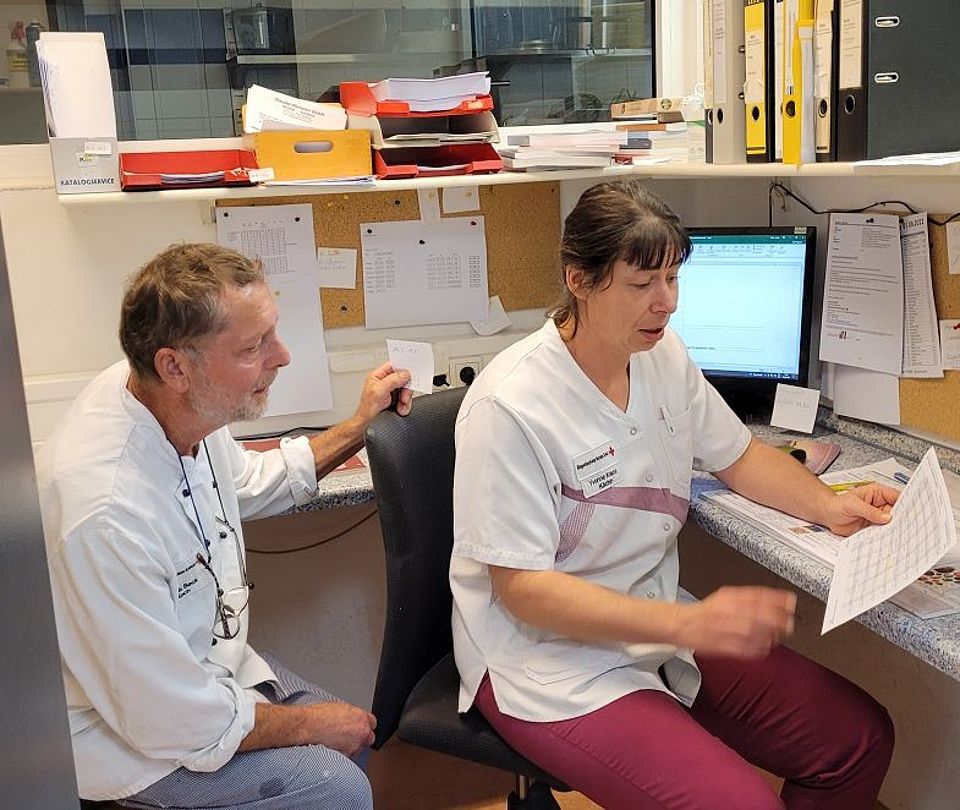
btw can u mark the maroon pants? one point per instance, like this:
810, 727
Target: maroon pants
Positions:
829, 740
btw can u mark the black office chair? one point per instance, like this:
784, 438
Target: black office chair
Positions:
411, 460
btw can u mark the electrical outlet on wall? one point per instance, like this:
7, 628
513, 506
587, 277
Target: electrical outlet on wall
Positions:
463, 370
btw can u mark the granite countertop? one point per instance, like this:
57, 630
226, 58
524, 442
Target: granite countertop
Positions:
935, 641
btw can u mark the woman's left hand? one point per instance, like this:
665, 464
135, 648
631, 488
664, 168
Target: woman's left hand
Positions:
857, 508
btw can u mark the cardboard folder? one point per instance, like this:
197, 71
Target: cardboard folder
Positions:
825, 49
726, 140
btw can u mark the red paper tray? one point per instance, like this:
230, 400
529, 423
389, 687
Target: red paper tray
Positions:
146, 171
358, 98
436, 161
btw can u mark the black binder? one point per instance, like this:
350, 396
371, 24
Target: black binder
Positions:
913, 93
909, 100
851, 111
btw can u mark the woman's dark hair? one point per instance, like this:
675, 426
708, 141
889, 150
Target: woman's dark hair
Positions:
616, 220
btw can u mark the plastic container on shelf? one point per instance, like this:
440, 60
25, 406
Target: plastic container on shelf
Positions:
32, 34
17, 61
693, 114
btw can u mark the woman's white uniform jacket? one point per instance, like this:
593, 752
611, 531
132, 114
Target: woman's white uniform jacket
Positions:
550, 474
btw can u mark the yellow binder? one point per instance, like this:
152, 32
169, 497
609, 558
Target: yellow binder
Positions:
798, 82
756, 52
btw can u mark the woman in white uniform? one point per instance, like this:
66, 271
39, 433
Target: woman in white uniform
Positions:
574, 455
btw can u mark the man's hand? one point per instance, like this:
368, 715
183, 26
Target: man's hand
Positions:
740, 622
377, 393
339, 726
857, 508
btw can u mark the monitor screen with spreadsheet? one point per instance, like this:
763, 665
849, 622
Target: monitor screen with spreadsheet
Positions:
744, 308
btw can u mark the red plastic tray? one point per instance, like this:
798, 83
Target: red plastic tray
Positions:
147, 171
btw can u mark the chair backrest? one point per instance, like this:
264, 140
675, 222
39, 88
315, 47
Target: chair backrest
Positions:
411, 461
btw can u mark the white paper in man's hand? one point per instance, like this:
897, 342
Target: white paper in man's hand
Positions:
417, 358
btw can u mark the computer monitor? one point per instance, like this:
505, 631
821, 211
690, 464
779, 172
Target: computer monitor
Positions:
744, 310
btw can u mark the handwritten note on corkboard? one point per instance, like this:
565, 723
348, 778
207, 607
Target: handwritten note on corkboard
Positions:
522, 227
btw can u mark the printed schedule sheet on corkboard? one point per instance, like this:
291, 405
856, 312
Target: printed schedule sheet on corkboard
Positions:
521, 226
934, 404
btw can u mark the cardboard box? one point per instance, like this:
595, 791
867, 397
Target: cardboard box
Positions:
85, 165
314, 154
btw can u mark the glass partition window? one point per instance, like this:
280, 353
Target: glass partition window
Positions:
180, 68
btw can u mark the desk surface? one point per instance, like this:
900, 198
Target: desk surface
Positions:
935, 641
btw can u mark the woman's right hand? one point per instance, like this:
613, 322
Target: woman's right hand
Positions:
739, 622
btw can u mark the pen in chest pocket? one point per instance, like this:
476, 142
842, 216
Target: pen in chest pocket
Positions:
667, 420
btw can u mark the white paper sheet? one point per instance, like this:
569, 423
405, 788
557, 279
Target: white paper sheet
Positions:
417, 273
415, 357
862, 394
78, 94
269, 110
429, 199
921, 339
280, 236
304, 385
337, 268
795, 408
950, 344
878, 561
862, 322
461, 199
918, 159
953, 247
496, 319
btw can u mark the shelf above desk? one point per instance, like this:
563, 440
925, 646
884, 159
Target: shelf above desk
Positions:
662, 171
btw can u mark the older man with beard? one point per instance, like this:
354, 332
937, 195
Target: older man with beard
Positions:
143, 491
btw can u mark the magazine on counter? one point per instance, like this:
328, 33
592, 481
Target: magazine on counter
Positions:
936, 593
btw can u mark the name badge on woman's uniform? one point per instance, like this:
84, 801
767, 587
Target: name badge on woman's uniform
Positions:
599, 481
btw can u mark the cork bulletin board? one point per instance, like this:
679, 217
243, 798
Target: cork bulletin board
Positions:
521, 224
934, 404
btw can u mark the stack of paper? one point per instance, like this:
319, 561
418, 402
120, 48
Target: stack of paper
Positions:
77, 92
432, 95
268, 110
555, 148
669, 142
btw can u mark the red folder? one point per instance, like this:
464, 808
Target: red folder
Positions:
146, 171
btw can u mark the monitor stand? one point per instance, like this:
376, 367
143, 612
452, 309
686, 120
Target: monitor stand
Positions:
753, 407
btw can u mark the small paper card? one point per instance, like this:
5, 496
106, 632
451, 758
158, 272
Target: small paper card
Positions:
795, 408
460, 199
496, 319
950, 344
338, 267
417, 358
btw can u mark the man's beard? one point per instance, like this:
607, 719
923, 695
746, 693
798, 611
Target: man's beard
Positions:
217, 407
